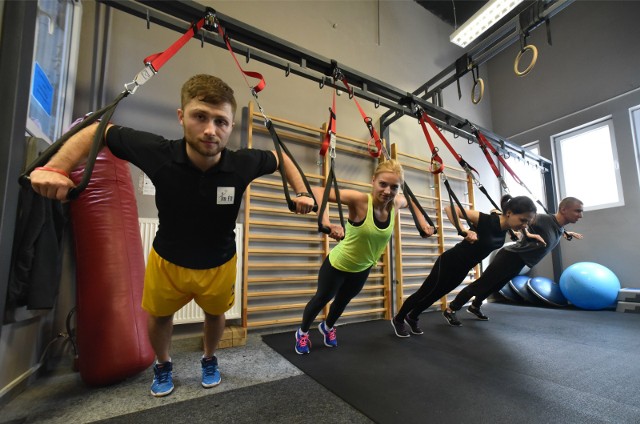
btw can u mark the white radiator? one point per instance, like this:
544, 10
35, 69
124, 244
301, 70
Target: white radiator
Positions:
191, 312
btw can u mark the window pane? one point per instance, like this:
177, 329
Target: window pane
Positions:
588, 166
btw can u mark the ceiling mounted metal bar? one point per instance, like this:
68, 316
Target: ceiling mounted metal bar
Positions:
292, 59
495, 43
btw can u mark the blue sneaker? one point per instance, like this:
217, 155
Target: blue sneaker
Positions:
303, 344
210, 372
329, 335
162, 379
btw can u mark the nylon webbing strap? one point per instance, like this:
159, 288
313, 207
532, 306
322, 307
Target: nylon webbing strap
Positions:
373, 151
453, 201
412, 202
158, 60
329, 135
278, 144
437, 165
329, 144
104, 116
261, 84
331, 181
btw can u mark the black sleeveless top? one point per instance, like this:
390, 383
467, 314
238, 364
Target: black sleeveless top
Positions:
490, 238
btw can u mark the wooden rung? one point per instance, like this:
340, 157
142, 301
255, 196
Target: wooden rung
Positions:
415, 274
281, 321
283, 265
419, 255
279, 307
363, 312
418, 265
281, 293
286, 135
287, 252
276, 238
279, 211
367, 299
255, 222
418, 244
270, 280
294, 282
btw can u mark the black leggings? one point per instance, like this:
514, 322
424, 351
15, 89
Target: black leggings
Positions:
332, 282
503, 268
446, 274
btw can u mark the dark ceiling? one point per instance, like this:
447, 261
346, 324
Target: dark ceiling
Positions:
453, 12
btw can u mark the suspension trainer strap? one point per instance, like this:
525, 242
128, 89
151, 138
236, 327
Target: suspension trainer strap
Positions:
278, 144
153, 64
437, 165
331, 181
374, 151
329, 145
412, 203
453, 201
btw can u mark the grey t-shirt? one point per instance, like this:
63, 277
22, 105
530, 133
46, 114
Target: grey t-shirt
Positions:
532, 251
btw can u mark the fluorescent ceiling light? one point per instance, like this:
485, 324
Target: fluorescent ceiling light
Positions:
482, 20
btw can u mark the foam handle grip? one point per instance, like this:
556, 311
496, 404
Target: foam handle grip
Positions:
111, 325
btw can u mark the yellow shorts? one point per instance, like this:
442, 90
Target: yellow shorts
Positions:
168, 287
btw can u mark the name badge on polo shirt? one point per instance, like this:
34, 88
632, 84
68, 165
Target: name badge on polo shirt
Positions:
225, 195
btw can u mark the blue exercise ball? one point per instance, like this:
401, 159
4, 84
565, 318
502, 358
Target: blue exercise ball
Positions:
589, 285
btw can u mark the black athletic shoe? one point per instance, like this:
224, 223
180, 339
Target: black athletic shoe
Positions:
478, 313
413, 324
451, 318
399, 328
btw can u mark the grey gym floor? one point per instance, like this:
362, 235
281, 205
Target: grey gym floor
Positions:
61, 396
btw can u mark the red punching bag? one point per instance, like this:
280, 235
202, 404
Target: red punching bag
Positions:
111, 325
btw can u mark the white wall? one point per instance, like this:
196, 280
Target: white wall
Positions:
590, 72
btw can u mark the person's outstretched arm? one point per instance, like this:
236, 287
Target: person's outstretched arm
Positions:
401, 203
304, 204
51, 181
473, 216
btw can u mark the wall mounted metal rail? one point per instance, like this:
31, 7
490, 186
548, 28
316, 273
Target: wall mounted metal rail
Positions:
291, 59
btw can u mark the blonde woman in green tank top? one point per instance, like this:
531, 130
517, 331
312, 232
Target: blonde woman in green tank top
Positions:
346, 268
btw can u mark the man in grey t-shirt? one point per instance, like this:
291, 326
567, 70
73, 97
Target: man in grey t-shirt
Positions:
510, 260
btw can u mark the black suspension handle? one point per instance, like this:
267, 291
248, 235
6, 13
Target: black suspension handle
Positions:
103, 116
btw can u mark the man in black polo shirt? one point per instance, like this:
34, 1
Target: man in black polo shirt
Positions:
199, 187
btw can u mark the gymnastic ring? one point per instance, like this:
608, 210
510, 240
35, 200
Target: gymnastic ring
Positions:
479, 82
534, 59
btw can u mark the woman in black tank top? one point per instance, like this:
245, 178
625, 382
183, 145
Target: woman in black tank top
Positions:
451, 268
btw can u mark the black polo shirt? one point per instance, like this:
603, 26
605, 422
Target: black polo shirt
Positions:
197, 210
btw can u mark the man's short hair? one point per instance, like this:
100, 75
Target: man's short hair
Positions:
568, 201
208, 89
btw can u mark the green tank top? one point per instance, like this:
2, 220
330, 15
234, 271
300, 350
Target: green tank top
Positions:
362, 245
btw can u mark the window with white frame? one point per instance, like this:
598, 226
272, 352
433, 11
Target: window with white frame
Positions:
530, 173
587, 165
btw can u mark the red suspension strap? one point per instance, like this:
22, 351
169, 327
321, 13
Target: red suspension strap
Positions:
153, 64
486, 145
374, 151
213, 23
329, 145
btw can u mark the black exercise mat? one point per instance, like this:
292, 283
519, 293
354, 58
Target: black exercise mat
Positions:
290, 400
525, 365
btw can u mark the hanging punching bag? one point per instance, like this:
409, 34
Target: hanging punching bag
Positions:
111, 325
